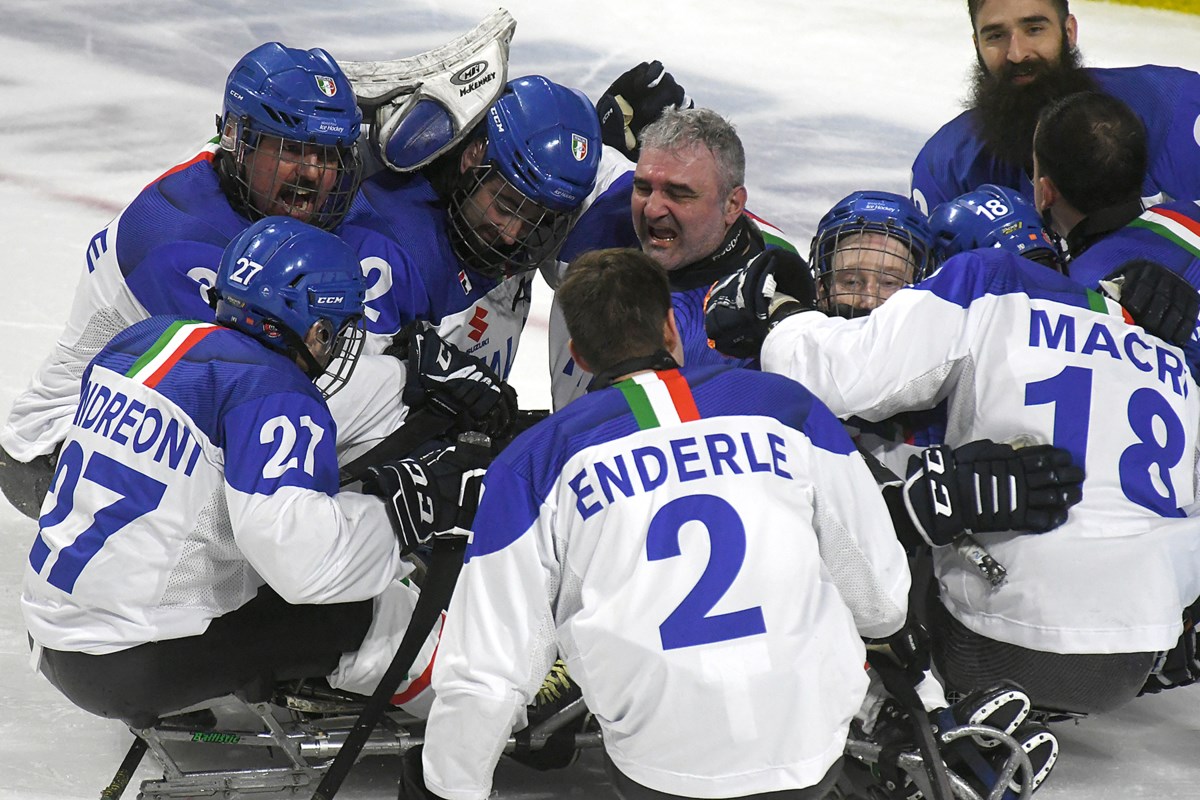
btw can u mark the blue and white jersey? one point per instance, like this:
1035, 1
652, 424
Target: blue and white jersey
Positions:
160, 256
1167, 233
1019, 352
198, 466
705, 548
955, 160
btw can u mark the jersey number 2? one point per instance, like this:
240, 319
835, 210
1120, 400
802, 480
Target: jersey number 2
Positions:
139, 494
690, 624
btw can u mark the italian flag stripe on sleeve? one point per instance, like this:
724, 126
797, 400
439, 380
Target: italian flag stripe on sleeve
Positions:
659, 398
1178, 228
176, 340
1106, 305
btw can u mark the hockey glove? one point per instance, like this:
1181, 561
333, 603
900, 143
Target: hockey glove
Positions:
740, 307
1157, 299
453, 382
634, 100
989, 487
908, 648
434, 495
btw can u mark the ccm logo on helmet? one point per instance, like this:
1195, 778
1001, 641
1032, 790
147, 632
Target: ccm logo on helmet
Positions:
331, 299
469, 73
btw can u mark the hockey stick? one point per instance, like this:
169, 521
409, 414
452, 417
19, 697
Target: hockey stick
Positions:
129, 764
435, 595
898, 685
421, 426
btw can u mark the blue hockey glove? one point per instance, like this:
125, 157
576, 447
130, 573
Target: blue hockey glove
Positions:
433, 495
740, 307
453, 382
987, 487
634, 100
1157, 299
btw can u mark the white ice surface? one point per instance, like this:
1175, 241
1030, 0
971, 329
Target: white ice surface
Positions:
829, 97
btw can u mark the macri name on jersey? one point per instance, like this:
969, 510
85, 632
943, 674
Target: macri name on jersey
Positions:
1056, 330
687, 458
133, 424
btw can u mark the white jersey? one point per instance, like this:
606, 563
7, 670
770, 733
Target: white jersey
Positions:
1021, 352
705, 549
198, 466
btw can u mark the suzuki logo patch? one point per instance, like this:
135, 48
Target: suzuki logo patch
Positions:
477, 324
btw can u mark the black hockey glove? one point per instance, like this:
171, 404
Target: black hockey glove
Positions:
908, 648
740, 307
634, 100
989, 487
1157, 299
454, 382
434, 495
1180, 665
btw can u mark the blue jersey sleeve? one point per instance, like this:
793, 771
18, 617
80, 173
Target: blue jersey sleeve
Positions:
281, 439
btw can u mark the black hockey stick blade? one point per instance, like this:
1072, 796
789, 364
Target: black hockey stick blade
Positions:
421, 425
129, 765
898, 685
435, 595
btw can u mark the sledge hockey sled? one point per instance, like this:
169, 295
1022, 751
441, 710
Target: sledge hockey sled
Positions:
282, 748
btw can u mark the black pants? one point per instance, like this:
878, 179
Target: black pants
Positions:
1086, 683
248, 650
628, 789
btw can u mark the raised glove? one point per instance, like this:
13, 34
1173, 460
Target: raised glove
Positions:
989, 487
1157, 299
634, 100
435, 494
739, 307
454, 382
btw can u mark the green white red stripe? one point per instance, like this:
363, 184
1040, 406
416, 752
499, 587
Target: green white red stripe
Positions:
166, 351
659, 398
1179, 228
1106, 305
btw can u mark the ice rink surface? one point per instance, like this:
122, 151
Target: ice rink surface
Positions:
102, 96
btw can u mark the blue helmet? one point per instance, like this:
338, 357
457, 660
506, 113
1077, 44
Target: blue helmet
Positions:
303, 101
994, 216
281, 277
543, 146
866, 247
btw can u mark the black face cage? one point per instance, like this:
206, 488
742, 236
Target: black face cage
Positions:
856, 296
477, 239
299, 197
347, 347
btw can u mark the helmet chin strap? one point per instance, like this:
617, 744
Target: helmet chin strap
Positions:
658, 360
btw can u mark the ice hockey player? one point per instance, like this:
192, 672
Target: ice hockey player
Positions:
1026, 57
995, 216
592, 504
1089, 151
866, 247
688, 210
287, 129
288, 145
195, 541
1021, 352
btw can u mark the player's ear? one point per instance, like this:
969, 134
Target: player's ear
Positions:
735, 204
575, 355
473, 154
1072, 29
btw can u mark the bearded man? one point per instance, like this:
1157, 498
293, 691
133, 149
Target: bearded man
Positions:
1026, 57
